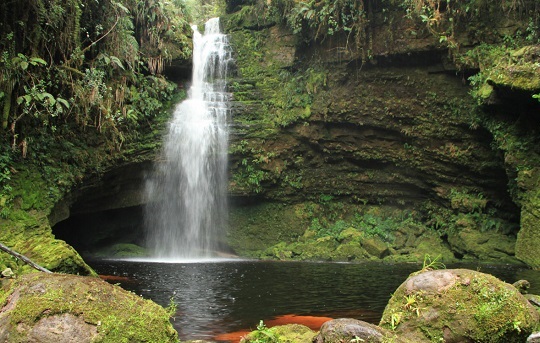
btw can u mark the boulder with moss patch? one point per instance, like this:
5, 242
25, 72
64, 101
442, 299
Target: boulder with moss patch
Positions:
281, 334
54, 308
354, 330
459, 305
30, 234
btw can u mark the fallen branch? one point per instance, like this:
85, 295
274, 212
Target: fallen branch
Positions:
23, 258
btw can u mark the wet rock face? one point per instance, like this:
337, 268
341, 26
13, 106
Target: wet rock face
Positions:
389, 135
399, 129
400, 135
458, 305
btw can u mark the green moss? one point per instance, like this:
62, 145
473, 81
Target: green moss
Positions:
31, 236
529, 236
280, 334
459, 304
118, 315
502, 66
257, 227
371, 235
121, 250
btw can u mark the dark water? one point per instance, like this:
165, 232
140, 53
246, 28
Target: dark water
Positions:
220, 297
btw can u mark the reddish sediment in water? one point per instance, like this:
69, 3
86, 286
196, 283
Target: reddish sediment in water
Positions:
115, 278
311, 322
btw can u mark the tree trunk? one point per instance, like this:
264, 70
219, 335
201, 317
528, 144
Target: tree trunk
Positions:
7, 108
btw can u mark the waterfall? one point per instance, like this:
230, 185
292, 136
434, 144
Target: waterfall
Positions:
187, 191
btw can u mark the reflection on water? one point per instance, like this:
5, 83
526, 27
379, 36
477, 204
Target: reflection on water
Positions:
219, 297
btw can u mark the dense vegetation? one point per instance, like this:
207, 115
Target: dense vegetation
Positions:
316, 21
80, 83
77, 74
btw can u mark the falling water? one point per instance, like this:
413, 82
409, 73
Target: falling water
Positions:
187, 192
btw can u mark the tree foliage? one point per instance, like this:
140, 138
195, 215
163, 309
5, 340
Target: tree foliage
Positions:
72, 64
443, 18
319, 19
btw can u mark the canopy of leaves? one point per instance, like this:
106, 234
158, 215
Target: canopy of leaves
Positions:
319, 19
72, 64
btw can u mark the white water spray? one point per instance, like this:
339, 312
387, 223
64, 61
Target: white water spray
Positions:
187, 209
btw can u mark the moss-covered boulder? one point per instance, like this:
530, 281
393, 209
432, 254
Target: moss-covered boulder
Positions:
459, 305
29, 233
122, 250
375, 246
40, 307
290, 333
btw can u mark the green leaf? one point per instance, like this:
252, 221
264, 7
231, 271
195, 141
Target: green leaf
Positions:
37, 60
50, 98
117, 61
120, 6
24, 65
63, 102
16, 60
24, 98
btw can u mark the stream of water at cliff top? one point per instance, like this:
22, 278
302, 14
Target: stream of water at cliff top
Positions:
187, 191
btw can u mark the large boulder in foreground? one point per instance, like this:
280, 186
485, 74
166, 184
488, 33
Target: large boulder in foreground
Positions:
459, 305
58, 308
354, 330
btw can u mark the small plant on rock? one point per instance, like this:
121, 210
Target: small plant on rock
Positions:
262, 335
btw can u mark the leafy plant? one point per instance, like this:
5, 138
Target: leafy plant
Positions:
172, 308
86, 64
5, 188
395, 320
432, 263
263, 334
412, 303
318, 20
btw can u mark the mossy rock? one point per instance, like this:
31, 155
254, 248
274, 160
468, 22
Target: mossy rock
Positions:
528, 238
55, 308
483, 245
351, 251
534, 300
428, 244
459, 305
432, 245
280, 251
350, 234
354, 330
290, 333
123, 250
32, 236
375, 246
323, 248
255, 228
